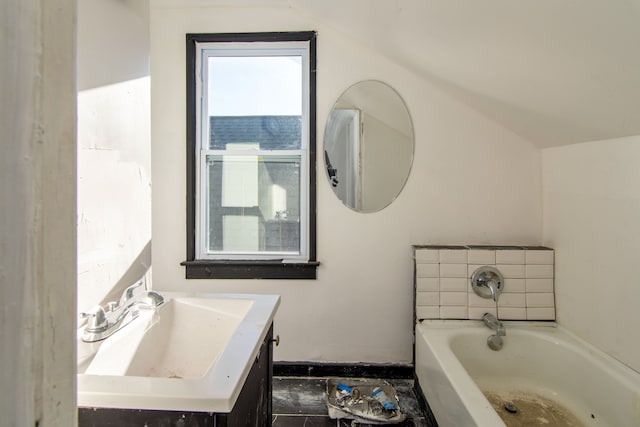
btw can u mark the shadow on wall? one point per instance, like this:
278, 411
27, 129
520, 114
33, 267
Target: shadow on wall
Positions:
141, 266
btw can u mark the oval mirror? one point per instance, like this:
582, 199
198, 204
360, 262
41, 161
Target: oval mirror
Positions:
368, 146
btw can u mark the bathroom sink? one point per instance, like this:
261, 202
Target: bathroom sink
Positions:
181, 339
188, 338
191, 353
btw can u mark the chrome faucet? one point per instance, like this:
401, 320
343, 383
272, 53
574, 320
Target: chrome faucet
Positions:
494, 341
492, 322
102, 323
493, 288
487, 282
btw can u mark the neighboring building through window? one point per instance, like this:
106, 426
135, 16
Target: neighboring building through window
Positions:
251, 155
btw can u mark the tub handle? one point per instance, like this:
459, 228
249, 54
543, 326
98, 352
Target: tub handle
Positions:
487, 282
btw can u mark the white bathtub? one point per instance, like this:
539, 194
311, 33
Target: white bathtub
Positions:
454, 367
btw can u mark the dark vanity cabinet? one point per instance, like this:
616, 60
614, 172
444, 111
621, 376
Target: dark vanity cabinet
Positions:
252, 408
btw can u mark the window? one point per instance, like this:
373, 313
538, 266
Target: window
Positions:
251, 156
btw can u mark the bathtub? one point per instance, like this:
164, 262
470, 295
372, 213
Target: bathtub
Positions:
541, 364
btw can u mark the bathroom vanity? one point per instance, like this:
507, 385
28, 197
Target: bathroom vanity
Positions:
252, 408
201, 360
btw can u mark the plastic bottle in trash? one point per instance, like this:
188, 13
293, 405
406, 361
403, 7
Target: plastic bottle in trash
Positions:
382, 397
344, 388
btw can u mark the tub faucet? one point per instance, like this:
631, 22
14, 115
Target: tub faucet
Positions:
102, 323
493, 288
487, 282
492, 322
494, 341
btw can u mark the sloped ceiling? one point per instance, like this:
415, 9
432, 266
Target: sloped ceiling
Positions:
555, 72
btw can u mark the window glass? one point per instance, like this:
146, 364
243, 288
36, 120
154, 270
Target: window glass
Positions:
255, 85
252, 150
269, 132
253, 204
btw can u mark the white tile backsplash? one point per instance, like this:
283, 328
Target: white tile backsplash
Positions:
428, 270
476, 301
514, 285
453, 298
427, 298
453, 256
510, 257
428, 312
443, 288
511, 300
427, 256
453, 270
454, 284
512, 313
512, 271
542, 299
538, 257
541, 313
427, 284
452, 312
478, 312
539, 271
482, 256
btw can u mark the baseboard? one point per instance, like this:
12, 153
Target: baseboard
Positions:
346, 370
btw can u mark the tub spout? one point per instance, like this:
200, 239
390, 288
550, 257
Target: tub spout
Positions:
493, 323
494, 341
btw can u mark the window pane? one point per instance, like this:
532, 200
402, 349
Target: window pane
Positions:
253, 204
257, 99
268, 132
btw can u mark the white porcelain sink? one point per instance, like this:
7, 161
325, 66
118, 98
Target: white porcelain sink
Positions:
192, 353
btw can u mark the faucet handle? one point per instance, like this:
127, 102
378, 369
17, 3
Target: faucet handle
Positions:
96, 318
130, 291
487, 282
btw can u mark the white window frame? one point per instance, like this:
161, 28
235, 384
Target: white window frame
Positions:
204, 50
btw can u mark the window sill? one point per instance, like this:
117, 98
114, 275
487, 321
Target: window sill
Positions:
208, 269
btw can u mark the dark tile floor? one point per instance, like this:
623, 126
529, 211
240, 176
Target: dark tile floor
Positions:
301, 402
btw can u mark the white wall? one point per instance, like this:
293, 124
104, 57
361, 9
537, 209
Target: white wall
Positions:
472, 182
114, 160
592, 219
37, 219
